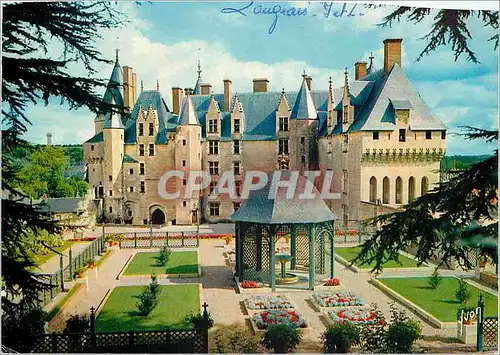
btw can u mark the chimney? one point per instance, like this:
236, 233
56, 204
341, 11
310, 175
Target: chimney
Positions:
227, 94
49, 138
309, 82
392, 53
206, 89
176, 100
359, 70
129, 88
260, 85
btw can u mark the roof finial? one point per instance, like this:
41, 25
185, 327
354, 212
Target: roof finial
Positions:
304, 74
199, 64
330, 80
117, 50
283, 91
157, 85
371, 58
142, 86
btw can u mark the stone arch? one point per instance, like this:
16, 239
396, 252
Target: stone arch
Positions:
399, 190
424, 185
411, 189
386, 185
373, 189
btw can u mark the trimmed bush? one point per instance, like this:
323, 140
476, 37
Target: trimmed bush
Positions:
462, 293
236, 340
164, 256
79, 323
340, 338
198, 321
281, 338
148, 299
435, 279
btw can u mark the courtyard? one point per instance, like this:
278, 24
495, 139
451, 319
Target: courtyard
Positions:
116, 299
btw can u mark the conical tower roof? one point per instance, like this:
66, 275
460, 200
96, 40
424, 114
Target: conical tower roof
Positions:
113, 119
304, 105
188, 115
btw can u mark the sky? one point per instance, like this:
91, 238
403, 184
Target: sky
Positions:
163, 41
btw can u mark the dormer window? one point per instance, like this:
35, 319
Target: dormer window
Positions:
141, 129
212, 126
283, 124
236, 126
151, 129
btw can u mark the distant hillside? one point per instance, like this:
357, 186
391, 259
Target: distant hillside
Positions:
454, 162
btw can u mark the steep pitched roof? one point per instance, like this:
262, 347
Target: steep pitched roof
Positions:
188, 115
304, 107
377, 114
113, 119
166, 120
265, 209
97, 138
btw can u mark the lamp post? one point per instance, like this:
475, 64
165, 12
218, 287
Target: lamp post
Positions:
195, 210
150, 229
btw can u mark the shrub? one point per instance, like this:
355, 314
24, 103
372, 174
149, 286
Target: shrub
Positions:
435, 279
282, 338
373, 335
462, 293
164, 256
249, 284
22, 326
334, 281
197, 320
90, 263
236, 340
148, 299
340, 337
402, 335
78, 324
80, 271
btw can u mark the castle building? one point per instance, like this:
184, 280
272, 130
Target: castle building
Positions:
375, 133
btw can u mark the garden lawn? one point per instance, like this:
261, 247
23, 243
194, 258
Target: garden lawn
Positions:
120, 313
181, 262
441, 302
352, 252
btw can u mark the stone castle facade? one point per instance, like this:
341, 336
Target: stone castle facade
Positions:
375, 132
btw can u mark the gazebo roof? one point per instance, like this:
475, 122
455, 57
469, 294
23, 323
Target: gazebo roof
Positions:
265, 209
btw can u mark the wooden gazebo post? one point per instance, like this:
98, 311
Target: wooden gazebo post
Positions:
272, 258
312, 258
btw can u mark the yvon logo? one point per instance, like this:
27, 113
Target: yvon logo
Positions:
468, 317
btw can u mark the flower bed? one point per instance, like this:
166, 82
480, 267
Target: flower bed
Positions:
353, 315
334, 281
268, 302
292, 318
348, 232
249, 284
337, 299
83, 239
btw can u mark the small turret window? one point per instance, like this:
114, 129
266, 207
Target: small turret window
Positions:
375, 136
143, 186
428, 135
92, 147
151, 149
443, 134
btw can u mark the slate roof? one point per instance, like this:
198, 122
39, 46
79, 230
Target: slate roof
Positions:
304, 107
278, 209
375, 98
113, 119
377, 114
128, 159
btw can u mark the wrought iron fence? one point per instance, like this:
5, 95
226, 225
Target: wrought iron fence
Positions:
47, 295
153, 341
159, 239
78, 261
161, 341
